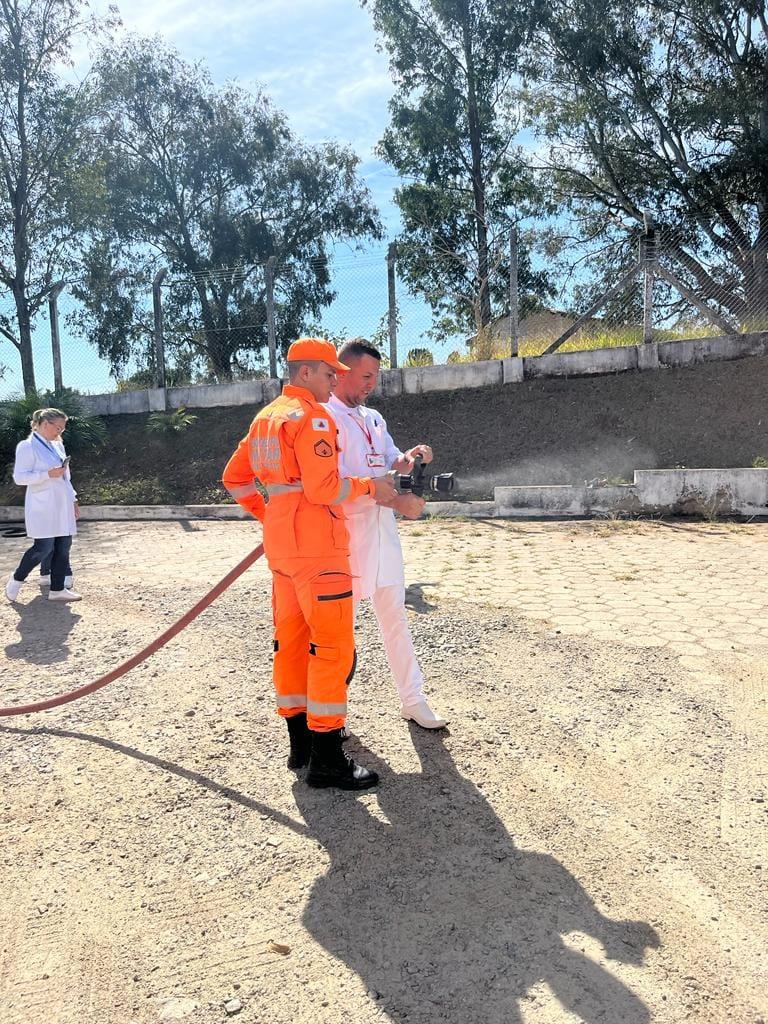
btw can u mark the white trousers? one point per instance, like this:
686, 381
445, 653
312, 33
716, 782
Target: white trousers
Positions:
389, 607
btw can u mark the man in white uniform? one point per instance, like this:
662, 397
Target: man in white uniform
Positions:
375, 554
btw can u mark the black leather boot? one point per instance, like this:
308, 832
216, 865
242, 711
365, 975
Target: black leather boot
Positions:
301, 741
329, 766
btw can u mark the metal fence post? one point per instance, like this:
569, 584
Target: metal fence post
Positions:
392, 310
514, 299
269, 279
157, 307
648, 257
53, 313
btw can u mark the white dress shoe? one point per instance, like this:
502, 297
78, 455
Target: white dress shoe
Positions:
64, 595
13, 589
423, 715
44, 581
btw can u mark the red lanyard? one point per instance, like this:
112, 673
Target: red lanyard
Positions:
365, 430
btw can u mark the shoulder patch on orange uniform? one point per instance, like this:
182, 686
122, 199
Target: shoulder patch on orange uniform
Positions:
323, 449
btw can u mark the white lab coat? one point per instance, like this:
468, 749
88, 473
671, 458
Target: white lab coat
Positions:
375, 555
49, 502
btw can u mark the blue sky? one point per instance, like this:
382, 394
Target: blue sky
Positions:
317, 60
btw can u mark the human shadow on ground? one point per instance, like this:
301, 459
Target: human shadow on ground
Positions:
435, 908
44, 627
219, 788
415, 599
444, 918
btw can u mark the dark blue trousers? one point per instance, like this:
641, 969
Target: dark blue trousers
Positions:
55, 550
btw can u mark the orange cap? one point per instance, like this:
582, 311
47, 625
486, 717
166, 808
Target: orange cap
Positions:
314, 350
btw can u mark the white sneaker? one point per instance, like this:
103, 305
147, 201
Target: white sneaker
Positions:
13, 589
44, 581
423, 715
64, 595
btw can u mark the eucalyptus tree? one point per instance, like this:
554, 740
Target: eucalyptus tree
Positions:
662, 107
46, 138
210, 182
453, 139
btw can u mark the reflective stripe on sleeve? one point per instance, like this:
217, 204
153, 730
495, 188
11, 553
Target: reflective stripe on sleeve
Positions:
316, 708
291, 700
273, 489
344, 488
244, 491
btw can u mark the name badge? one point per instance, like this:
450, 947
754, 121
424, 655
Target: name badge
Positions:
374, 461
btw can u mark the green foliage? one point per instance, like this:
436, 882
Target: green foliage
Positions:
662, 108
170, 422
760, 462
419, 357
214, 182
48, 180
452, 138
84, 434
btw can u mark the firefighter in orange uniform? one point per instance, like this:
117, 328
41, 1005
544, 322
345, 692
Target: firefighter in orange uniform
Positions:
291, 449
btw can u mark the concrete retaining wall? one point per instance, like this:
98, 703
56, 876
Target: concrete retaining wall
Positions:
582, 364
701, 350
672, 492
564, 500
699, 492
707, 492
137, 513
415, 380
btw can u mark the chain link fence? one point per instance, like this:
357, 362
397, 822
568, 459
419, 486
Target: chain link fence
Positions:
559, 294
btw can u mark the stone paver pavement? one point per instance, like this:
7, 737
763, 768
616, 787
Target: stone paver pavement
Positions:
693, 588
697, 591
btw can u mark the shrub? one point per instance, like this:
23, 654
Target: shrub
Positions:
84, 433
419, 357
170, 422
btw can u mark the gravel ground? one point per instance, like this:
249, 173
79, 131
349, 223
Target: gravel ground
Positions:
562, 853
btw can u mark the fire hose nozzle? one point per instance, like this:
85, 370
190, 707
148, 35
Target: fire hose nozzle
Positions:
419, 481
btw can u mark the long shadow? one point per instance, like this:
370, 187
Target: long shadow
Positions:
437, 911
444, 918
44, 627
167, 766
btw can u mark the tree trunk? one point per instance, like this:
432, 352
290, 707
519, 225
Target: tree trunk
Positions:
25, 342
478, 182
217, 340
756, 290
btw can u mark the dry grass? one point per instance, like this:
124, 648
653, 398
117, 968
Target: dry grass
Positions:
587, 339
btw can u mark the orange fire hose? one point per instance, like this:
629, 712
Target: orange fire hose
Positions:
161, 641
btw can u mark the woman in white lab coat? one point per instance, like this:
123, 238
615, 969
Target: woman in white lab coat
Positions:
50, 504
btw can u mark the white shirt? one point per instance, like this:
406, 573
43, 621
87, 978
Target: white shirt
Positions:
367, 449
49, 502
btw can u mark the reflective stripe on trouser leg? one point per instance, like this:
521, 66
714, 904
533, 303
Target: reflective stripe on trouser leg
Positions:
322, 588
289, 668
331, 650
389, 606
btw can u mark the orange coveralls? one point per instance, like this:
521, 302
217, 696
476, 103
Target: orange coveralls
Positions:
291, 448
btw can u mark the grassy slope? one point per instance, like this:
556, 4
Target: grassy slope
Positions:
545, 431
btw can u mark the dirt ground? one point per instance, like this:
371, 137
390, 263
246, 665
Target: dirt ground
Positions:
588, 842
539, 432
